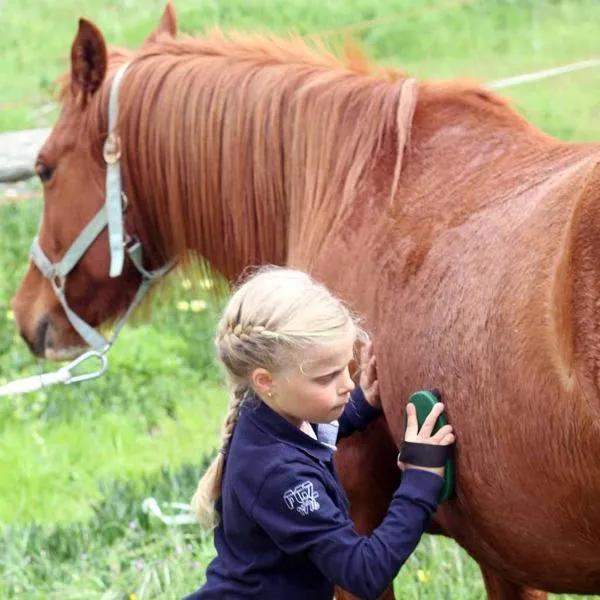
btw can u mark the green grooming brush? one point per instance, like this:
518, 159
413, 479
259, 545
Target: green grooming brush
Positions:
424, 401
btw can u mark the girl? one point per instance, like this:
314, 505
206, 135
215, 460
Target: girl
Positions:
283, 531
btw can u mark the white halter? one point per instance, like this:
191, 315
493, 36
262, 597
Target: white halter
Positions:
111, 216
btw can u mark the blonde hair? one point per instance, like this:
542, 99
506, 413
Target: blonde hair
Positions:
269, 322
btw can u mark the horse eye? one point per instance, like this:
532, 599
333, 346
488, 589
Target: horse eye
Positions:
44, 172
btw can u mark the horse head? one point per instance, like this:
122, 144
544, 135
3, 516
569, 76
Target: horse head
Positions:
57, 306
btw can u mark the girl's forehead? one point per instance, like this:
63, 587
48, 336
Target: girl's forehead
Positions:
327, 358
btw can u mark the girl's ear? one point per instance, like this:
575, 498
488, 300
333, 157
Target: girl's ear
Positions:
262, 381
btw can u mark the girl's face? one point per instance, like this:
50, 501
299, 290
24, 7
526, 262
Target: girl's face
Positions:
318, 389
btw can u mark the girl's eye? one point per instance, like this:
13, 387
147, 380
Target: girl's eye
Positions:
44, 172
325, 379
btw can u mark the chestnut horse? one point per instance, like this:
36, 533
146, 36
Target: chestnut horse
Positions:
468, 239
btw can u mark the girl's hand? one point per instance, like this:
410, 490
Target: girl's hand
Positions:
444, 437
368, 376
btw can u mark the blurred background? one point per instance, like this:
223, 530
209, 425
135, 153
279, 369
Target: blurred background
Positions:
76, 463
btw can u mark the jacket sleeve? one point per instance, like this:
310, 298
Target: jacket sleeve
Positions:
296, 510
357, 414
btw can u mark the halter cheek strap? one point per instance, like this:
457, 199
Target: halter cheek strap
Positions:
110, 216
114, 190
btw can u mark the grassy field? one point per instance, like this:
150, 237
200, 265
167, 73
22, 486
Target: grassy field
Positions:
75, 464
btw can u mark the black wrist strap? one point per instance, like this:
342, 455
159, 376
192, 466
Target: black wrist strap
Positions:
423, 455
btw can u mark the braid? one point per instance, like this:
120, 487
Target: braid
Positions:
209, 487
246, 332
235, 404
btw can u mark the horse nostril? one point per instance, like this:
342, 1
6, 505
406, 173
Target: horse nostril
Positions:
38, 347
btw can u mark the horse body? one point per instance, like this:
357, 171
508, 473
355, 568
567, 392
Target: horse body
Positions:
467, 239
477, 319
470, 291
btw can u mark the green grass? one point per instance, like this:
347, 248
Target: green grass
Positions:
117, 551
76, 463
75, 454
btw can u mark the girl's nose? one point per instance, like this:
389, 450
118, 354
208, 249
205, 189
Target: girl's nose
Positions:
347, 384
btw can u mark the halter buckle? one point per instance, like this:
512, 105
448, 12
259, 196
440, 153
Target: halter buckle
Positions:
111, 150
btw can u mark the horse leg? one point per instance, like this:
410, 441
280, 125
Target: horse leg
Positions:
366, 463
499, 588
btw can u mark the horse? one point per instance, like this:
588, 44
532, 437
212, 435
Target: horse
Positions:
468, 239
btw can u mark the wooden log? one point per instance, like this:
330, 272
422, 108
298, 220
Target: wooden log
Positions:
18, 151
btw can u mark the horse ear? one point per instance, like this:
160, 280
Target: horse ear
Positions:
88, 59
167, 25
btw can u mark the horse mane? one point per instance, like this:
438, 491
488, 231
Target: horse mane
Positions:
230, 131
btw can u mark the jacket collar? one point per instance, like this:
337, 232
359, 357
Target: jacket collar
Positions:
280, 428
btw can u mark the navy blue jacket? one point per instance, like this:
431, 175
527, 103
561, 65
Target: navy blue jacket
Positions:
285, 532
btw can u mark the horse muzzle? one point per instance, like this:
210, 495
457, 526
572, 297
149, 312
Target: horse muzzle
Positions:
53, 343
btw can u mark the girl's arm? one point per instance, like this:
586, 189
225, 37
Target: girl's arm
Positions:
296, 508
357, 414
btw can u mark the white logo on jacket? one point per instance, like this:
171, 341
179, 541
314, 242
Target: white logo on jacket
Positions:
303, 498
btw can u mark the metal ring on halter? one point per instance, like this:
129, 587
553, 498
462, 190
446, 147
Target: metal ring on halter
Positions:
83, 358
112, 149
58, 281
129, 240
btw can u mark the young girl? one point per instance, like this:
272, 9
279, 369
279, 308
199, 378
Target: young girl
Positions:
283, 531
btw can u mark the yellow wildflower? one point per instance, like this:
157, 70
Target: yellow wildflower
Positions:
198, 305
422, 576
